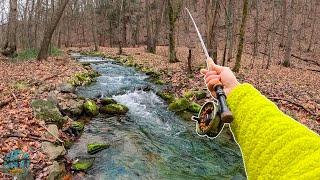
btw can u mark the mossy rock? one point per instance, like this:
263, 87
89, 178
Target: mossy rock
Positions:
83, 164
169, 97
114, 109
93, 53
67, 144
47, 111
194, 107
185, 115
200, 94
81, 79
96, 147
91, 108
77, 126
179, 105
106, 101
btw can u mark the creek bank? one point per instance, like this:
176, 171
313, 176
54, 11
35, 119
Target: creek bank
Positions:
64, 115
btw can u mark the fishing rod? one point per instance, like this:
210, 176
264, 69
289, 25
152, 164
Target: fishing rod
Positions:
215, 114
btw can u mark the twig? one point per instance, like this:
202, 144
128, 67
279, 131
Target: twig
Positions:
15, 98
27, 137
294, 103
57, 138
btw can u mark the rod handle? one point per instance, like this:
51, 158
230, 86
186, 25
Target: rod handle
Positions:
226, 115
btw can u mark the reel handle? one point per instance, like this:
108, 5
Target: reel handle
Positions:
226, 115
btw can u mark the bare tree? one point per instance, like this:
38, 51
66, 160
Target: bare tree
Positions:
10, 46
287, 55
241, 36
174, 8
43, 53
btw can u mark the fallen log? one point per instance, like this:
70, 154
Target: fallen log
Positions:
294, 103
306, 60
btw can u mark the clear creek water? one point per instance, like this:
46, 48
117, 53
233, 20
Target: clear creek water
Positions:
150, 142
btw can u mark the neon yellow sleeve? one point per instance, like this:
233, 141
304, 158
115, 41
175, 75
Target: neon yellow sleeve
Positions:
273, 145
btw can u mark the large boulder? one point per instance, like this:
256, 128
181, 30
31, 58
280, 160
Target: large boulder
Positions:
52, 150
91, 108
47, 111
56, 171
114, 109
71, 107
96, 147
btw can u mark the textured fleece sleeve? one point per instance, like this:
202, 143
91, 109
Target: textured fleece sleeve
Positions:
273, 145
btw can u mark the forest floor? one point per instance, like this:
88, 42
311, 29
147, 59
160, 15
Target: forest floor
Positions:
20, 82
295, 90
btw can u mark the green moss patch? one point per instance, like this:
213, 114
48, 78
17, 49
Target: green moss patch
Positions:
91, 108
114, 109
194, 107
81, 79
106, 101
83, 165
167, 96
96, 147
179, 105
93, 53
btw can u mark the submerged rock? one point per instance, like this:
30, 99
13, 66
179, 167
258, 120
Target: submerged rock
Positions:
56, 171
106, 101
114, 109
179, 105
194, 107
83, 164
91, 108
96, 147
47, 111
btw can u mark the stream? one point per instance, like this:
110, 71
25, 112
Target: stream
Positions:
150, 142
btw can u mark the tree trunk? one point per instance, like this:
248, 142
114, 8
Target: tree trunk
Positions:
148, 26
314, 18
284, 20
11, 43
212, 20
159, 19
230, 30
241, 36
287, 55
256, 33
172, 19
43, 53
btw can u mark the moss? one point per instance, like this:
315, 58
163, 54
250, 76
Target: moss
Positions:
47, 111
78, 126
159, 82
179, 105
106, 101
20, 85
200, 94
185, 115
169, 97
80, 79
96, 147
194, 107
68, 143
188, 94
114, 109
91, 108
82, 165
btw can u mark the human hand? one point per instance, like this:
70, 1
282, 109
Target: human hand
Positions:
219, 75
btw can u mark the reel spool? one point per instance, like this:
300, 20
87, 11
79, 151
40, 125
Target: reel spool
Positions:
208, 122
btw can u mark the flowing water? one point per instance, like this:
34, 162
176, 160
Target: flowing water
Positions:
150, 142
